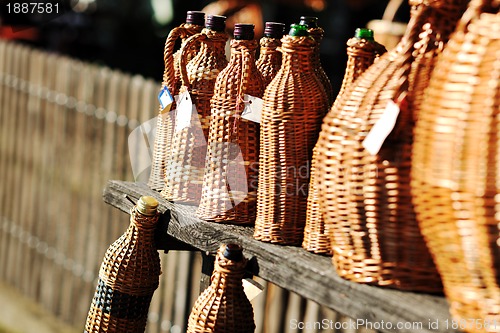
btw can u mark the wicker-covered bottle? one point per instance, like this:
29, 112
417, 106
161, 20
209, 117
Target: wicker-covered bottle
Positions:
128, 276
317, 33
186, 164
223, 307
172, 80
362, 50
365, 195
294, 105
455, 178
269, 61
230, 182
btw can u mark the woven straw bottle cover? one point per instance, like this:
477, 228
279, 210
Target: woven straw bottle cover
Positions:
365, 198
185, 167
455, 168
317, 33
231, 171
223, 307
362, 50
128, 276
294, 105
269, 61
172, 80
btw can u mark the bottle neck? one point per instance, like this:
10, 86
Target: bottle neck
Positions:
214, 43
269, 45
361, 54
228, 273
297, 53
146, 225
241, 49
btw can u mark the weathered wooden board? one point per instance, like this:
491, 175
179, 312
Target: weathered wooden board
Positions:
295, 269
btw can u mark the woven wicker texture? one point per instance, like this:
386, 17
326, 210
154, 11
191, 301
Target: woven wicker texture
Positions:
269, 61
294, 105
455, 177
128, 277
185, 166
366, 198
223, 307
318, 33
171, 80
223, 195
361, 55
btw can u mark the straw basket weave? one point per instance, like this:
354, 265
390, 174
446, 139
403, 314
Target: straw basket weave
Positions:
269, 61
223, 307
366, 198
224, 197
456, 171
317, 33
361, 55
171, 80
294, 105
128, 277
184, 171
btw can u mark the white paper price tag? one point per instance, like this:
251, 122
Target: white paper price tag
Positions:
382, 128
165, 99
253, 108
185, 109
252, 288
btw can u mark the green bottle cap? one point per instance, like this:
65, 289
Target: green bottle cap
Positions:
298, 30
363, 33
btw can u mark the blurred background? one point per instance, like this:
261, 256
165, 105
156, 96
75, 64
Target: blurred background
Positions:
72, 88
129, 34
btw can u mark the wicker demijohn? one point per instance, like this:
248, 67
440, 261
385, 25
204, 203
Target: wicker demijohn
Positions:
362, 51
223, 307
186, 163
456, 173
294, 105
365, 198
269, 61
129, 275
171, 80
317, 33
230, 183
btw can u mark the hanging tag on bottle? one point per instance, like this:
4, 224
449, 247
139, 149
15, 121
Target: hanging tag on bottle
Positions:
166, 99
253, 108
252, 288
185, 110
382, 128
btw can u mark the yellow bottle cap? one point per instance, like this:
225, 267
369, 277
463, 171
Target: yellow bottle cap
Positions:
147, 205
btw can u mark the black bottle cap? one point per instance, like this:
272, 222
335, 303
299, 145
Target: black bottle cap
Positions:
274, 30
195, 18
243, 31
216, 23
310, 21
233, 252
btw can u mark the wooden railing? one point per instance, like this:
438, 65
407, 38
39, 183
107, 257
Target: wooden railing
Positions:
64, 126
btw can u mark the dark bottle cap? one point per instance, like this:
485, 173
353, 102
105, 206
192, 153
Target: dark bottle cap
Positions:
309, 21
195, 18
243, 31
216, 23
274, 30
298, 30
233, 252
363, 33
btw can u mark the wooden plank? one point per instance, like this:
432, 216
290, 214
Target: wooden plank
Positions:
313, 275
37, 257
